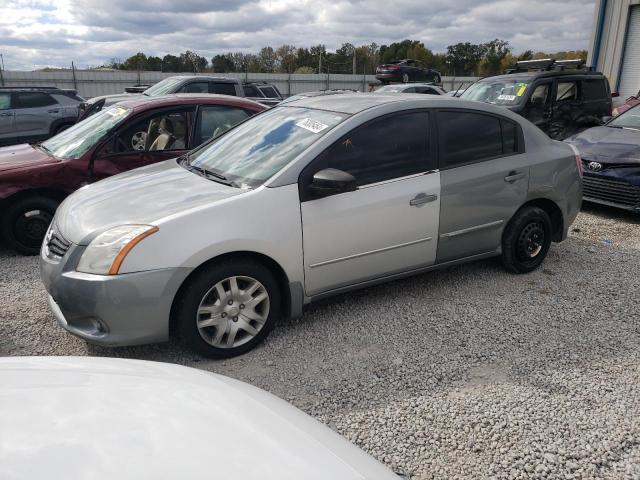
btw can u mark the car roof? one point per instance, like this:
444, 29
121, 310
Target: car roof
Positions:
105, 418
352, 103
543, 74
204, 77
140, 103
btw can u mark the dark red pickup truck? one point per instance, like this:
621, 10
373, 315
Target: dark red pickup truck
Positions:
34, 179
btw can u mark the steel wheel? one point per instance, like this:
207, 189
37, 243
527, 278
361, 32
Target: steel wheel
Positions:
139, 140
233, 312
531, 241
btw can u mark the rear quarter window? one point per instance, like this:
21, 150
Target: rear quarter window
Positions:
594, 90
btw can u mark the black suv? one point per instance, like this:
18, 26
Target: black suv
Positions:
558, 96
31, 114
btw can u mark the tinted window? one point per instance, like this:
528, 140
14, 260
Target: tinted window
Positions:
251, 91
566, 91
269, 92
5, 101
223, 88
386, 148
196, 87
594, 90
216, 119
468, 137
34, 100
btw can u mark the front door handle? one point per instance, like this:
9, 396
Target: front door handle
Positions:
421, 199
53, 111
6, 114
513, 176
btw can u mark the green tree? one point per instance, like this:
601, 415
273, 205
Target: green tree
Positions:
267, 59
222, 64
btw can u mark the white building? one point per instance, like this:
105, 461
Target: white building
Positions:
615, 44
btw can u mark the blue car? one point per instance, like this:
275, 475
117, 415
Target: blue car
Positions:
611, 159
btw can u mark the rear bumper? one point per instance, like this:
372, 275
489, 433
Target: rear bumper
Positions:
114, 310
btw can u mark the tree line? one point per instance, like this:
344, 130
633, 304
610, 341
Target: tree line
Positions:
461, 59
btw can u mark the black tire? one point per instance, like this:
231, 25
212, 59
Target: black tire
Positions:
197, 289
25, 223
526, 240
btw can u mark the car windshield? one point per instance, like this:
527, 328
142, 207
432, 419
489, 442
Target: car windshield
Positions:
499, 92
162, 88
257, 149
78, 139
628, 119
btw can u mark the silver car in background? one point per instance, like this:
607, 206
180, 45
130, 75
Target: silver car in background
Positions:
306, 200
113, 419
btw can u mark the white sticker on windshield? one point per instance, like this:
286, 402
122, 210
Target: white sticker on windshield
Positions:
312, 125
508, 98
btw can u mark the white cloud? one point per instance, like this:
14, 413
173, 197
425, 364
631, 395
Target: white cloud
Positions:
38, 33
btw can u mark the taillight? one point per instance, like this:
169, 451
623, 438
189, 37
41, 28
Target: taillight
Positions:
576, 152
392, 67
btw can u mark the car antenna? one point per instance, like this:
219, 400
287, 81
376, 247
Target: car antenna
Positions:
458, 89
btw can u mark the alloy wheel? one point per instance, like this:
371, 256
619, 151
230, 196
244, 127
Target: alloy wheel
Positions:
138, 140
233, 312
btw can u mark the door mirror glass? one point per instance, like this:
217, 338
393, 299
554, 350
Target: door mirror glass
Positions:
331, 181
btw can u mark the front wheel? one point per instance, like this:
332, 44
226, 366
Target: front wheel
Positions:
25, 223
526, 240
228, 308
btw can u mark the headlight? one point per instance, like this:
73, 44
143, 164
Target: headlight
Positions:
107, 251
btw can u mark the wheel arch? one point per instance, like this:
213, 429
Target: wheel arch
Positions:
555, 214
53, 193
273, 266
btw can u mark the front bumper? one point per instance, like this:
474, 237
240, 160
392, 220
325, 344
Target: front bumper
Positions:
115, 310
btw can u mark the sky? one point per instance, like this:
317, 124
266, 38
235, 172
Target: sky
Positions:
39, 33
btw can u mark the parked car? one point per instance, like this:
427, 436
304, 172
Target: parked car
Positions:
306, 200
263, 92
31, 114
632, 101
35, 178
611, 156
407, 71
107, 418
185, 84
317, 93
560, 101
425, 88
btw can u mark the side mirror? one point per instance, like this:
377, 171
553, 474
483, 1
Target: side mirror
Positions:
331, 181
606, 119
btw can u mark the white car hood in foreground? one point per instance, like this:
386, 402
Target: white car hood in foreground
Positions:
108, 419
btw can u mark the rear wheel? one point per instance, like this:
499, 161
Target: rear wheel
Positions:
228, 308
25, 223
62, 128
526, 240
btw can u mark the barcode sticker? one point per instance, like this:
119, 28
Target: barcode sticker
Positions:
312, 125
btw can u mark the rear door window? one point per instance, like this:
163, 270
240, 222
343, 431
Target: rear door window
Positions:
567, 91
390, 147
34, 100
222, 88
195, 87
467, 137
214, 120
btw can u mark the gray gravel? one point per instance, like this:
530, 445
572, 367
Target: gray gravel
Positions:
470, 372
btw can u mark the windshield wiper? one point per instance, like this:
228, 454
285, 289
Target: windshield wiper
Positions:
44, 149
209, 174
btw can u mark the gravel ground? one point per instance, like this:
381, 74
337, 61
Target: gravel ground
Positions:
469, 372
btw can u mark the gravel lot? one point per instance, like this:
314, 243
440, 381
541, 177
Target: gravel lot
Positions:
470, 372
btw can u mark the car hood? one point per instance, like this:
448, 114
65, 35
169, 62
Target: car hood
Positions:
104, 418
141, 196
23, 156
608, 145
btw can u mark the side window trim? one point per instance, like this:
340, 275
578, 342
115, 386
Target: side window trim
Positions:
439, 155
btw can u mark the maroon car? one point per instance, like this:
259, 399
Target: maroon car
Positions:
34, 179
632, 101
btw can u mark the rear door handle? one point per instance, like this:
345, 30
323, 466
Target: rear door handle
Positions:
421, 199
513, 176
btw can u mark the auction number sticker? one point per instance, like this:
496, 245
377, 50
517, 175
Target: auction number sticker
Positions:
507, 98
312, 125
